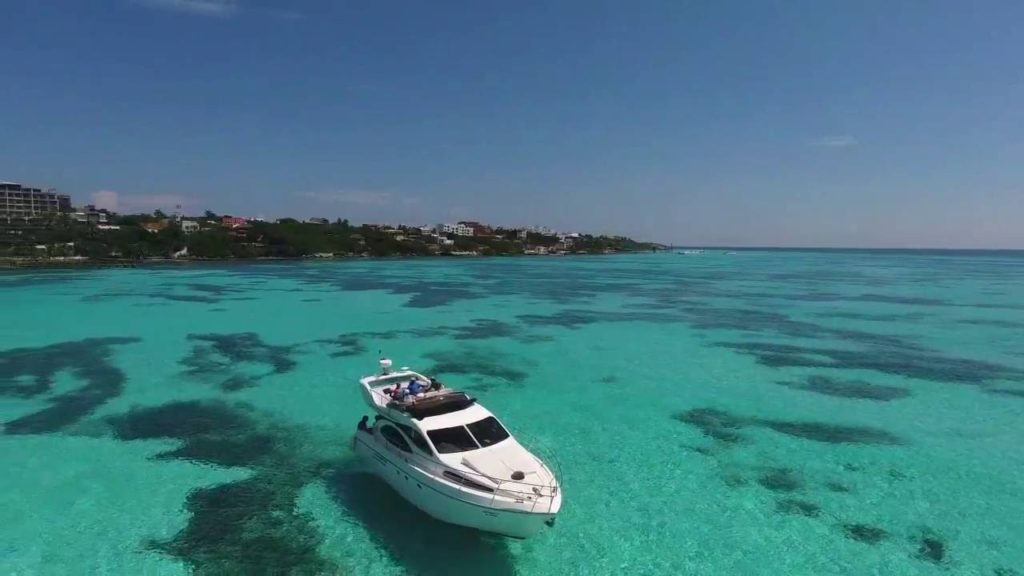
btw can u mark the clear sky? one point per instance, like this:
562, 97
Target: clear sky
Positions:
874, 123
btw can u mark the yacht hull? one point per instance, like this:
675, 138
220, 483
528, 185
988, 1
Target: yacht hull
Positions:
440, 501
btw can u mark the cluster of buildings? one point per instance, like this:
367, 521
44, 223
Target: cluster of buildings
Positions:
24, 207
27, 204
446, 234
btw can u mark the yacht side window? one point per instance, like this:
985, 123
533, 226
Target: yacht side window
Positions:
417, 439
392, 435
420, 442
451, 440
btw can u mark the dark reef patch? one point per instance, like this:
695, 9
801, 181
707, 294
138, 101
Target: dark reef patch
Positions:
836, 487
781, 480
248, 347
30, 372
238, 382
218, 356
900, 361
247, 527
575, 318
212, 432
713, 423
250, 526
864, 533
1018, 393
207, 288
930, 547
831, 433
351, 344
346, 345
422, 294
192, 292
761, 321
477, 362
798, 507
311, 300
186, 298
846, 315
993, 322
904, 300
726, 427
848, 388
896, 474
482, 328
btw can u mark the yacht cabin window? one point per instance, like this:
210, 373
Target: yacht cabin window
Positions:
392, 435
451, 440
480, 434
488, 431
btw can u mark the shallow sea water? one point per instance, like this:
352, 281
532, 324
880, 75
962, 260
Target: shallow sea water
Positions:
766, 412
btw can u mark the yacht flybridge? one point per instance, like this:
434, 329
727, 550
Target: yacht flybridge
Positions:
450, 457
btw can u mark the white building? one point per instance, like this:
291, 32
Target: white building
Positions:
189, 226
457, 229
542, 230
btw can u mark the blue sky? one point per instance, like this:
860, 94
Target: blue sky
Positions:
800, 123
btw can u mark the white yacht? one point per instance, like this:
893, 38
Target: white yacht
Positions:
452, 458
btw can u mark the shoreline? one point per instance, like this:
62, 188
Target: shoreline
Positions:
8, 263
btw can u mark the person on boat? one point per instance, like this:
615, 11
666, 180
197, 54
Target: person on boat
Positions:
435, 385
415, 387
399, 393
362, 424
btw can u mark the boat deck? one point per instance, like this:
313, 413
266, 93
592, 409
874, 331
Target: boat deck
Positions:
434, 404
422, 405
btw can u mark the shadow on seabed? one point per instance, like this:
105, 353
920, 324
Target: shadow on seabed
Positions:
415, 540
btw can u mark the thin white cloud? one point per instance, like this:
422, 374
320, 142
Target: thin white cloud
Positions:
352, 197
198, 7
840, 141
106, 199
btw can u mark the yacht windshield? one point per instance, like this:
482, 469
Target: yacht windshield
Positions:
488, 431
450, 440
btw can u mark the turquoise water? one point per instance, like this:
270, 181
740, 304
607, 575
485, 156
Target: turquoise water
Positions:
759, 413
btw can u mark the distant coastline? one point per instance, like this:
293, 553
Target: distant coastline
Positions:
94, 237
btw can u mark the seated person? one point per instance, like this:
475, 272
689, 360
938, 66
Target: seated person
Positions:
398, 393
415, 387
435, 385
